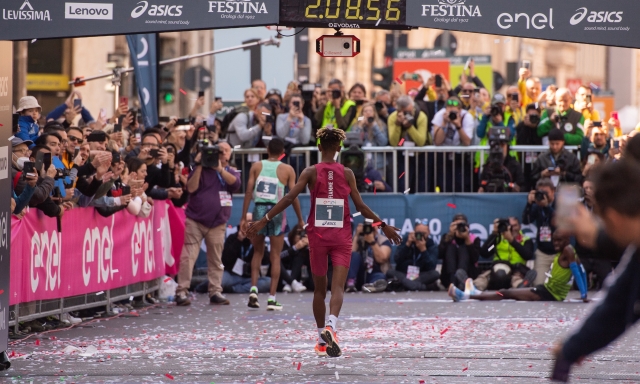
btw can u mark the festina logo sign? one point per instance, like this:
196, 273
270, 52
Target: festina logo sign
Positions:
26, 12
237, 7
451, 8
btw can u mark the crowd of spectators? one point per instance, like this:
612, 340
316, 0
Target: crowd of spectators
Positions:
69, 158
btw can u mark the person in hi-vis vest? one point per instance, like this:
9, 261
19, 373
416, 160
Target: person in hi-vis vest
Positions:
339, 111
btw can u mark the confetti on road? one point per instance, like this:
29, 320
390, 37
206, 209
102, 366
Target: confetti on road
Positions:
170, 377
444, 331
464, 369
337, 376
299, 366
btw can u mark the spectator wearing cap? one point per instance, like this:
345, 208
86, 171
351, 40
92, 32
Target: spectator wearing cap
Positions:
557, 163
563, 117
501, 172
595, 141
66, 113
453, 127
29, 110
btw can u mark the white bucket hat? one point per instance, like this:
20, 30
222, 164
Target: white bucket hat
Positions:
28, 102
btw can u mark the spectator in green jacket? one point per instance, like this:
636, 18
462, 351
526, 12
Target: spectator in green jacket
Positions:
563, 117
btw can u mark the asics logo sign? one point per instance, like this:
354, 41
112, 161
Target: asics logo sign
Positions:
596, 17
156, 10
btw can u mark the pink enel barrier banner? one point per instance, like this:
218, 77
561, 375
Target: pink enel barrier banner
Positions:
92, 253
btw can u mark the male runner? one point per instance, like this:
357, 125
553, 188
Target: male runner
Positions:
267, 179
555, 288
329, 231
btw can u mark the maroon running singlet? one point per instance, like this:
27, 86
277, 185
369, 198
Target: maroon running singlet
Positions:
329, 228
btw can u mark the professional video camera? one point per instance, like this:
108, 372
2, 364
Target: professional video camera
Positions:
353, 158
210, 156
307, 90
499, 177
503, 225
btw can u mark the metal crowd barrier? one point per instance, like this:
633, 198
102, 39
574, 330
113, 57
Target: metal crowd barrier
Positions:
42, 308
421, 169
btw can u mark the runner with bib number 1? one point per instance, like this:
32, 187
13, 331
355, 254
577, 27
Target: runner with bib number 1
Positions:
267, 180
329, 230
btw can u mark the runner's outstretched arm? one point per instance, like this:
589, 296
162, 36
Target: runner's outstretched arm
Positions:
296, 202
286, 201
390, 232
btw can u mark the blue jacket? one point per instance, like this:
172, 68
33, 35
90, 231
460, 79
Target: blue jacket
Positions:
55, 160
58, 112
406, 256
28, 129
23, 200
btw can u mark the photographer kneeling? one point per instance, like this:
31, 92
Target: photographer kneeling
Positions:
370, 254
502, 172
416, 260
459, 251
510, 250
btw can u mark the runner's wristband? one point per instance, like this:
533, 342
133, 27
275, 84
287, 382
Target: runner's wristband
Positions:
266, 216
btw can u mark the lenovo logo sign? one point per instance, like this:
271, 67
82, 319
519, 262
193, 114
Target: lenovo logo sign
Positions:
88, 11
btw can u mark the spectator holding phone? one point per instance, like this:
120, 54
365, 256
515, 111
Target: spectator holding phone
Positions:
416, 259
584, 104
557, 163
384, 106
294, 127
437, 90
157, 159
530, 87
527, 134
66, 113
28, 128
249, 124
596, 140
43, 202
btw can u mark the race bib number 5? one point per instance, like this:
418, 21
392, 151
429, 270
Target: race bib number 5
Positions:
329, 213
266, 188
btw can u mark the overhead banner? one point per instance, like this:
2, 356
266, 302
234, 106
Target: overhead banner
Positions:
145, 65
6, 121
35, 19
611, 22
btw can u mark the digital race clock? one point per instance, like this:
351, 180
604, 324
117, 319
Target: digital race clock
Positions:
384, 14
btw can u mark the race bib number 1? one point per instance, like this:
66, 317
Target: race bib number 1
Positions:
329, 213
266, 188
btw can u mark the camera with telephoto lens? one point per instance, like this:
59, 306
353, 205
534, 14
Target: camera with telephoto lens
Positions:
453, 115
354, 159
61, 173
408, 117
534, 119
496, 111
371, 119
367, 227
307, 91
540, 195
498, 177
503, 225
420, 236
462, 227
210, 156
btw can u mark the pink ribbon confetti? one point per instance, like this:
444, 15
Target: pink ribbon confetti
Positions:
402, 174
367, 181
299, 365
444, 331
379, 223
398, 80
168, 376
1, 291
183, 91
401, 142
500, 294
281, 157
451, 205
168, 279
465, 369
37, 341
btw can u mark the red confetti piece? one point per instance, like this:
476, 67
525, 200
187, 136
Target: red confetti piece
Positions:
168, 279
168, 376
464, 369
451, 205
379, 223
500, 294
402, 174
183, 91
401, 142
444, 331
367, 181
37, 341
299, 365
281, 157
1, 291
398, 80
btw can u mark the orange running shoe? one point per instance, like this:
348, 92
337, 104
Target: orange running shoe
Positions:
321, 349
330, 337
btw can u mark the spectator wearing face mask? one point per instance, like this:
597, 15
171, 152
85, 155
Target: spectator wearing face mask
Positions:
564, 118
459, 251
29, 110
557, 163
339, 111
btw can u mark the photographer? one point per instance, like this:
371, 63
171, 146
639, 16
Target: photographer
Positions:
153, 153
416, 260
373, 133
453, 126
295, 256
595, 141
584, 104
459, 251
498, 114
564, 118
501, 172
557, 163
370, 254
339, 111
384, 106
51, 205
527, 134
539, 210
295, 129
210, 186
437, 90
510, 250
